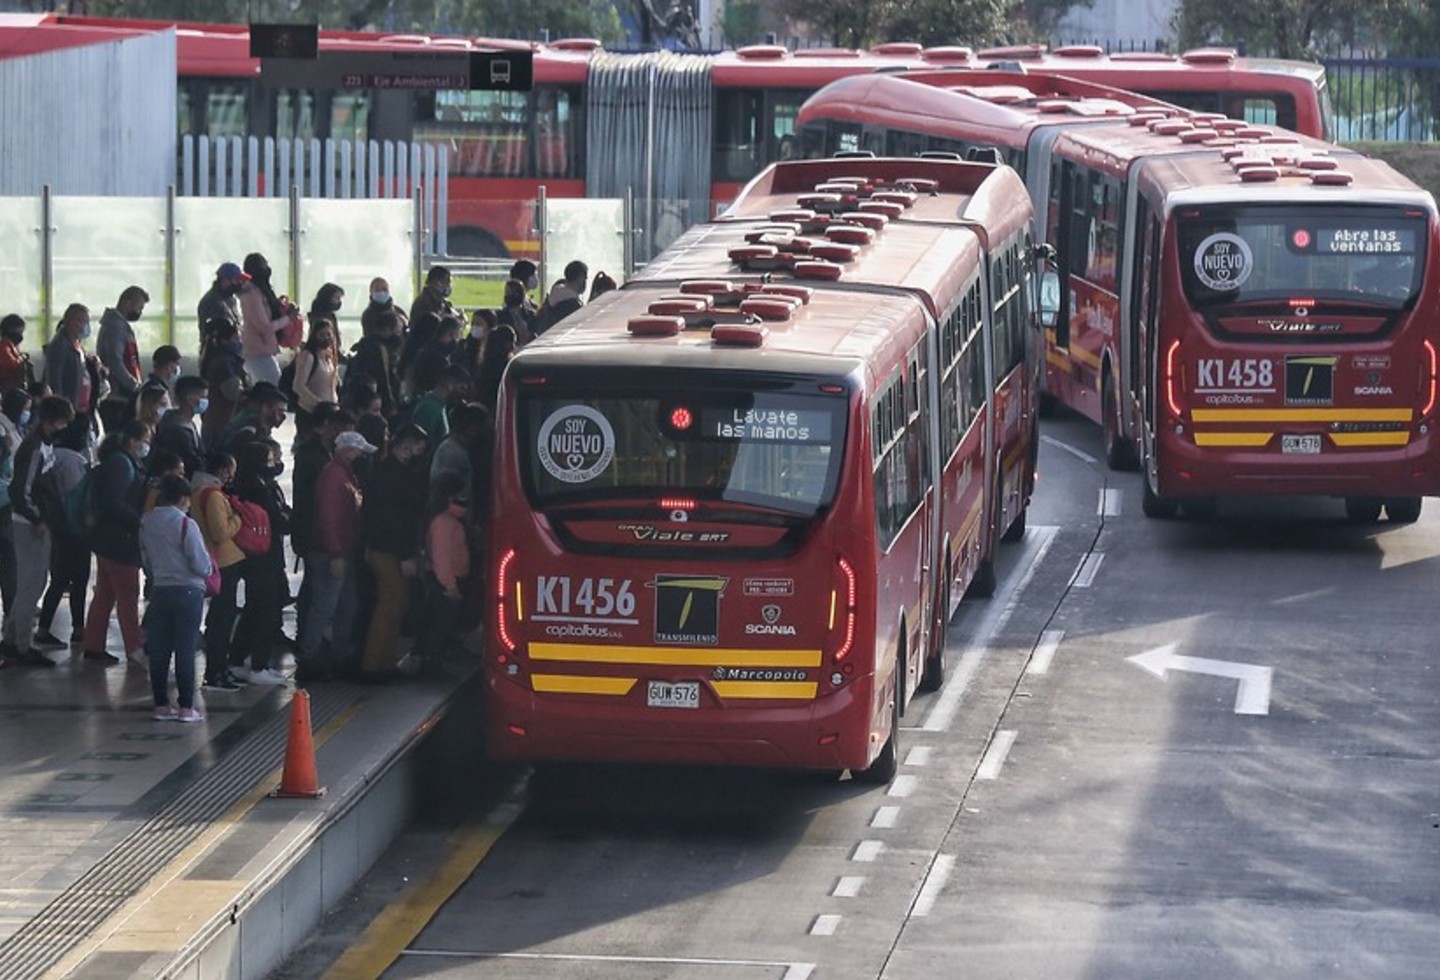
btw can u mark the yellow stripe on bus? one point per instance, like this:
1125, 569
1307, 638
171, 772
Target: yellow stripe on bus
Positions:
673, 656
1301, 414
775, 690
1370, 438
572, 684
1233, 438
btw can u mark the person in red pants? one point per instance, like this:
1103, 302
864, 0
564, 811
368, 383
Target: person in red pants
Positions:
120, 504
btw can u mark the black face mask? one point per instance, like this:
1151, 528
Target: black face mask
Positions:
15, 337
275, 469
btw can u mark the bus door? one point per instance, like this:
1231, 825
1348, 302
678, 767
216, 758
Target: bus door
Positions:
1147, 327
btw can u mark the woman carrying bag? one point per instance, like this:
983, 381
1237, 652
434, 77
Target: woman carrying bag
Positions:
177, 566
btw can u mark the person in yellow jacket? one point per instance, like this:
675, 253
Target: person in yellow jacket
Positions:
217, 518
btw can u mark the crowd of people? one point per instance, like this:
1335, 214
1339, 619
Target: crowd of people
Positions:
162, 490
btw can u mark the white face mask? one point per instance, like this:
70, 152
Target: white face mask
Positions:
380, 298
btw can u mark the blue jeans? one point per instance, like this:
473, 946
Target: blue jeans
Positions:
332, 610
172, 626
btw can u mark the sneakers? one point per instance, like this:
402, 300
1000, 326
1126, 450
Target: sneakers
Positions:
102, 657
222, 683
165, 712
138, 658
189, 716
238, 676
269, 677
33, 658
48, 640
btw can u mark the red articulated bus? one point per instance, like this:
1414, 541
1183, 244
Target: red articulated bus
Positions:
1259, 307
737, 500
505, 146
1215, 299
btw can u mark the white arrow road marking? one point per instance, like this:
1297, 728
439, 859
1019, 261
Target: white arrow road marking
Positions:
1253, 697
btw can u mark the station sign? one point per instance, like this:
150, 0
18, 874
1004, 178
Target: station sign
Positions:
404, 70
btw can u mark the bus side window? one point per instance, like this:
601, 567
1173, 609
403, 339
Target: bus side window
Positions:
737, 134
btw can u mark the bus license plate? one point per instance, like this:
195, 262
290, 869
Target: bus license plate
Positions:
663, 694
1300, 444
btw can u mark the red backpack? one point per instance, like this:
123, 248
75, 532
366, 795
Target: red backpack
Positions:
253, 538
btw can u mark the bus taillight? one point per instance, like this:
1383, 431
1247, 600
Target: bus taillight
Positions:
502, 587
844, 604
1432, 364
1172, 394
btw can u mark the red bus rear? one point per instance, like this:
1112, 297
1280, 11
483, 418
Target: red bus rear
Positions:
725, 494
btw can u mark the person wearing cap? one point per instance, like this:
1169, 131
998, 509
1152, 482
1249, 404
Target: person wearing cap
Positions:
221, 301
331, 564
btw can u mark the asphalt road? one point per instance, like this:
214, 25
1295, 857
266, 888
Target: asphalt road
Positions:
1257, 795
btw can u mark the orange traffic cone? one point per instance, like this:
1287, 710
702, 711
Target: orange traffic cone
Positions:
300, 779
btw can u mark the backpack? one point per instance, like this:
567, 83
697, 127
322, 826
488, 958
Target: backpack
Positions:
287, 381
253, 538
82, 504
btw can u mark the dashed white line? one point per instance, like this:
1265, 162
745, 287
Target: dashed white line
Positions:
848, 886
1037, 544
793, 970
885, 817
1066, 447
994, 758
933, 884
918, 756
1045, 651
825, 925
868, 850
902, 786
1109, 502
1089, 567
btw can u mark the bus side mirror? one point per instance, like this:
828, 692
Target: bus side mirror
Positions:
1049, 297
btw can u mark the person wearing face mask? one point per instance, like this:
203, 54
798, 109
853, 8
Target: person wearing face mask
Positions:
381, 303
33, 462
392, 522
327, 302
376, 357
176, 564
14, 414
434, 299
120, 354
221, 302
447, 567
164, 369
220, 523
69, 552
263, 316
317, 372
66, 369
179, 428
258, 467
120, 500
15, 368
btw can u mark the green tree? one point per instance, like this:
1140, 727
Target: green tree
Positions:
1283, 28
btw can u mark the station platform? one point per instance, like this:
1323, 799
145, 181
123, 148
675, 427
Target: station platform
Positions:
139, 848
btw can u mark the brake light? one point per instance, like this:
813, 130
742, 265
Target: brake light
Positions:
1433, 363
844, 603
1172, 399
502, 586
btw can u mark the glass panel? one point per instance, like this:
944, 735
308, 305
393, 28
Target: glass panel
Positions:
20, 263
295, 114
350, 116
225, 110
488, 132
217, 230
560, 132
589, 230
737, 135
349, 243
102, 245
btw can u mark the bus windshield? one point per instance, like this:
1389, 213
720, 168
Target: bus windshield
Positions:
1365, 255
776, 450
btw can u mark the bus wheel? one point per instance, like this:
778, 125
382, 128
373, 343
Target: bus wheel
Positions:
1363, 510
932, 677
1119, 454
982, 586
1154, 505
476, 243
1048, 405
1403, 510
1016, 530
887, 763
